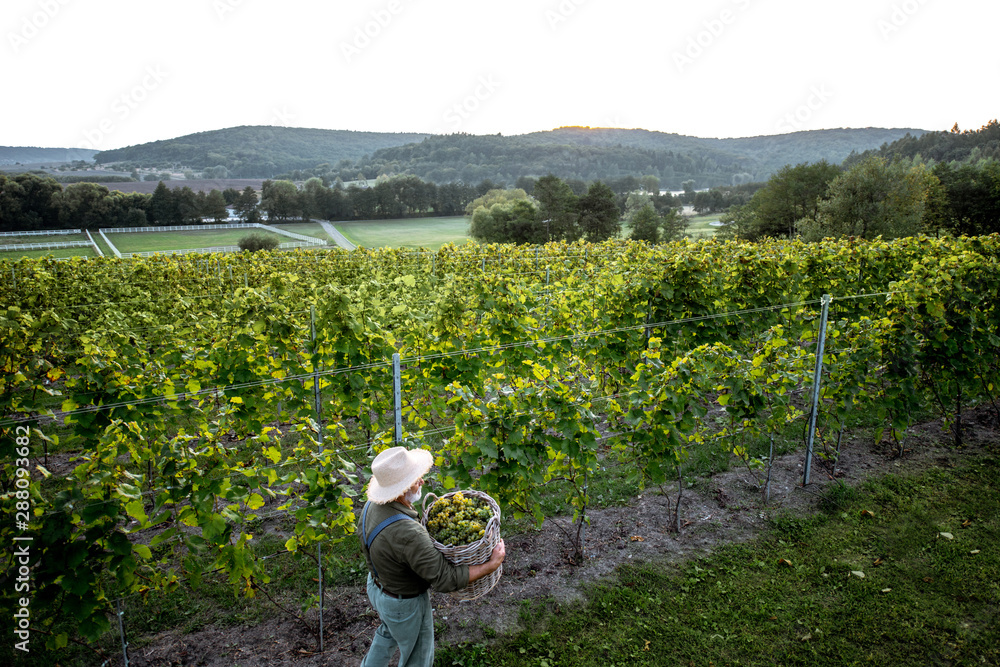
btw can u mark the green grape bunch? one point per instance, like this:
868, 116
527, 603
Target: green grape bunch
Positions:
457, 519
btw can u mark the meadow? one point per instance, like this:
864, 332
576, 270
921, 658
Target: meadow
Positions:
200, 238
428, 233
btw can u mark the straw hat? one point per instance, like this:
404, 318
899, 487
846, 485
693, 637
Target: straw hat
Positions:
395, 470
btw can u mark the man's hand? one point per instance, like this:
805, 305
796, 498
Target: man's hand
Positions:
499, 553
477, 572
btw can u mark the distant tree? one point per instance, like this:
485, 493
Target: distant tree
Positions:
134, 217
259, 241
645, 225
557, 204
11, 196
526, 183
312, 198
163, 206
599, 215
650, 184
215, 207
673, 225
36, 201
577, 185
793, 193
231, 195
972, 197
495, 197
873, 198
83, 205
634, 203
516, 221
246, 206
688, 188
188, 206
280, 200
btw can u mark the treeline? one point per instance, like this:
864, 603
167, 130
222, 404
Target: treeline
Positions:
29, 202
933, 147
874, 197
550, 209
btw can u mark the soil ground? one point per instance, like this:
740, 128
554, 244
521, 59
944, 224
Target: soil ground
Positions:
725, 508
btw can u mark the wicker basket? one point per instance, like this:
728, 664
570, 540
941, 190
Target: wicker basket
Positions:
475, 553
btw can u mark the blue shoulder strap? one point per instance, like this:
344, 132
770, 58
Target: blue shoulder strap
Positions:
378, 529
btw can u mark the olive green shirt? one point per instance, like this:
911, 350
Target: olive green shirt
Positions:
404, 554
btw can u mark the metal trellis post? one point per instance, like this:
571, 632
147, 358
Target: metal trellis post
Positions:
817, 378
318, 397
121, 631
397, 398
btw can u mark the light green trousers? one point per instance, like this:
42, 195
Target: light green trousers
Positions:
406, 624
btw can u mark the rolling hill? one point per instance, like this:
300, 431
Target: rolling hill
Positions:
32, 155
569, 152
257, 151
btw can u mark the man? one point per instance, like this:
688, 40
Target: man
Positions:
403, 563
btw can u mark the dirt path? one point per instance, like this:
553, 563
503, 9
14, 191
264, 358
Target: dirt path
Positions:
721, 509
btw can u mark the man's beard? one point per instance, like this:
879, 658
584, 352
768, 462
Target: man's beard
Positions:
413, 496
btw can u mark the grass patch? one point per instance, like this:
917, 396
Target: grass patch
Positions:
793, 598
313, 229
162, 241
429, 233
79, 251
49, 238
699, 226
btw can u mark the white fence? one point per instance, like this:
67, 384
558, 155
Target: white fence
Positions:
97, 248
220, 248
43, 232
184, 228
44, 246
110, 244
302, 237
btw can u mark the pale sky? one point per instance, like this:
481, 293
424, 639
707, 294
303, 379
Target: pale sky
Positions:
110, 73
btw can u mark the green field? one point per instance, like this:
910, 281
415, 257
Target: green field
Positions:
80, 251
430, 233
699, 227
201, 238
53, 238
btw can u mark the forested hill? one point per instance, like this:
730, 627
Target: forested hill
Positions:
606, 153
568, 152
33, 155
953, 146
257, 151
